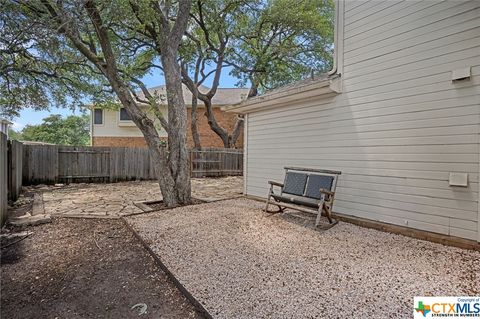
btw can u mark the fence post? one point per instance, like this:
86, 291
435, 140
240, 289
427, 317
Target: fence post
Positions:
191, 162
14, 168
3, 178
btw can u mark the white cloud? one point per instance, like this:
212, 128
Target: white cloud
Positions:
17, 126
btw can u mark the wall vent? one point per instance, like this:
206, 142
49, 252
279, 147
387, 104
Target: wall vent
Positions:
461, 74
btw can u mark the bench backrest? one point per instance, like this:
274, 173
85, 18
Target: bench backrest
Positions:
306, 182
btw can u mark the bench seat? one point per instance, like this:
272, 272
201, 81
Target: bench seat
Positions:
304, 189
296, 200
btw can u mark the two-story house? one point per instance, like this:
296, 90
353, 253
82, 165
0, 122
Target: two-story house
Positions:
113, 127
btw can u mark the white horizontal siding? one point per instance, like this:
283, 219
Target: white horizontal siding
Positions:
371, 9
450, 44
394, 19
406, 23
354, 5
111, 127
399, 127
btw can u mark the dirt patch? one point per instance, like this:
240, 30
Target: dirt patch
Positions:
84, 268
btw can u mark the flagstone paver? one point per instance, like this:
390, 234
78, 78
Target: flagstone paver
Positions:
117, 199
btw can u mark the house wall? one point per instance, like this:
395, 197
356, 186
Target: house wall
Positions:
117, 141
209, 138
399, 127
4, 127
128, 135
112, 127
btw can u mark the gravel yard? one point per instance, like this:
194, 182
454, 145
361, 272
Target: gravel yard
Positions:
239, 262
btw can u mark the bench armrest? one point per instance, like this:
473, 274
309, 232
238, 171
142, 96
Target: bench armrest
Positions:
326, 191
275, 183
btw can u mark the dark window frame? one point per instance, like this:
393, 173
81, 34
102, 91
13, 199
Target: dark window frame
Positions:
125, 112
95, 116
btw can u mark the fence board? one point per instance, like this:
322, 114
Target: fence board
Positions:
3, 178
215, 162
64, 164
83, 164
15, 159
40, 164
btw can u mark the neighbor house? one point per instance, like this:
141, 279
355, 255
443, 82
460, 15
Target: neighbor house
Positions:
399, 115
113, 127
4, 126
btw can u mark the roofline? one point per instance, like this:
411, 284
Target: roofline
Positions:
6, 121
289, 94
219, 88
222, 107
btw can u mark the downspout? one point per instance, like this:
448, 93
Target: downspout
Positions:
336, 37
245, 154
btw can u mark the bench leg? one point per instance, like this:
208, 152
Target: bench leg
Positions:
328, 210
280, 209
267, 203
268, 198
328, 213
320, 208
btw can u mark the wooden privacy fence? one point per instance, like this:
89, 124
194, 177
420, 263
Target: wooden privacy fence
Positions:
212, 162
50, 164
63, 164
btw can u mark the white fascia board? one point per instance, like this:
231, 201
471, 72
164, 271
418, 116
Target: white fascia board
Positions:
314, 89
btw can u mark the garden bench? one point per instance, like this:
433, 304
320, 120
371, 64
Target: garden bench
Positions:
307, 190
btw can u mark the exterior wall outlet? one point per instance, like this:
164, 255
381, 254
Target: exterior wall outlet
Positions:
458, 179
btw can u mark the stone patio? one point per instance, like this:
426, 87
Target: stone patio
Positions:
239, 262
117, 199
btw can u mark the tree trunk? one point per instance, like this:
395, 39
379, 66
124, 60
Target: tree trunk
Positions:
193, 124
178, 159
220, 131
229, 140
175, 189
237, 130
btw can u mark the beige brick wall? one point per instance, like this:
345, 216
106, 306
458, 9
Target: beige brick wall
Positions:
208, 138
115, 141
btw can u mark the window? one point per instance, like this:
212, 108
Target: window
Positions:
97, 116
124, 116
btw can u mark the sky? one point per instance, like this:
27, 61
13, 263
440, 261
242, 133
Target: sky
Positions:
32, 117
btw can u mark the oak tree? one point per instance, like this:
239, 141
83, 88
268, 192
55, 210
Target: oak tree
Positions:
101, 42
71, 130
264, 44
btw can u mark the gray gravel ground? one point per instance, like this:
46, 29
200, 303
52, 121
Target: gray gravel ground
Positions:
241, 263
